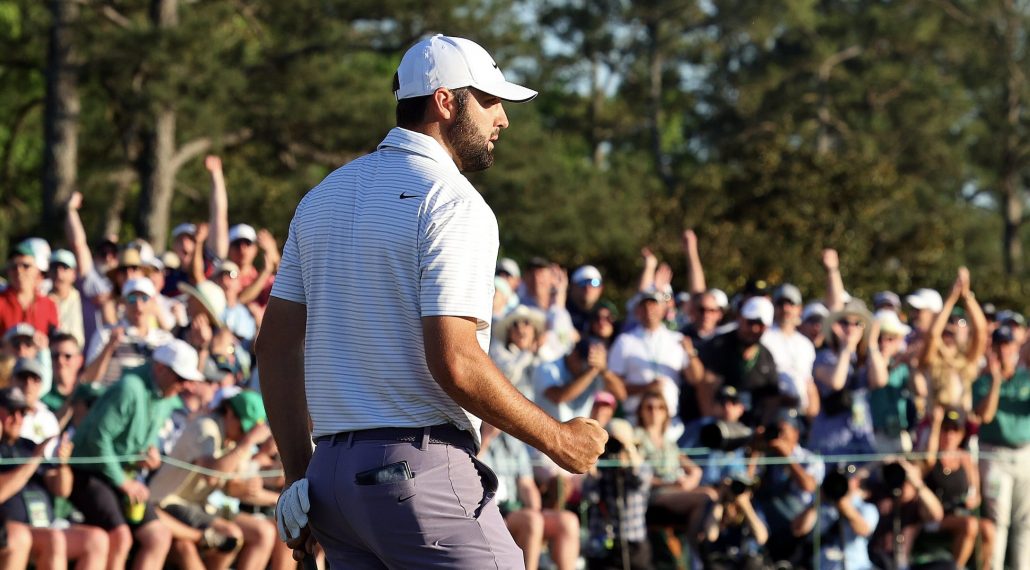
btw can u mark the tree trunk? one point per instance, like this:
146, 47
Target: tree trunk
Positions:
157, 179
1009, 177
1013, 220
656, 62
157, 173
61, 116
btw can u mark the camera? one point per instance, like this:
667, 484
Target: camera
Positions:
836, 483
725, 436
612, 449
894, 477
737, 485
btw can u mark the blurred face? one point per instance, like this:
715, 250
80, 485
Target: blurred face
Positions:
22, 273
788, 312
522, 334
539, 281
229, 281
242, 252
729, 410
233, 427
138, 306
31, 385
651, 313
890, 344
1008, 354
23, 347
652, 411
812, 328
11, 421
951, 436
168, 382
67, 359
708, 313
921, 318
843, 327
61, 274
124, 273
184, 247
587, 293
750, 331
603, 413
158, 279
602, 325
956, 332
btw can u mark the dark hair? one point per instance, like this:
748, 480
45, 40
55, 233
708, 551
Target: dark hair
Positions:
411, 111
62, 337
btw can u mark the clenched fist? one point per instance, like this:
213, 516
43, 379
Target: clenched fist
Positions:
580, 442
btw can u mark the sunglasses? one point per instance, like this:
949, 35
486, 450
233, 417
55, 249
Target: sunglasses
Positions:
850, 324
22, 265
755, 322
137, 298
590, 283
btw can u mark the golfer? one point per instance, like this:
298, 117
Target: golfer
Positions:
377, 330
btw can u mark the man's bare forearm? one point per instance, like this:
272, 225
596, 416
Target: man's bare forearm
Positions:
468, 376
280, 353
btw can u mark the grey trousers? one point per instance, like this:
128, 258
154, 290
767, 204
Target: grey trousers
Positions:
444, 516
1006, 492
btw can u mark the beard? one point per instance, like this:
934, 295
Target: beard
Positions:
471, 148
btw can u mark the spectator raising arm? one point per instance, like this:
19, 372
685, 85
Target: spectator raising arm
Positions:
76, 236
650, 266
695, 271
218, 239
196, 269
270, 252
834, 281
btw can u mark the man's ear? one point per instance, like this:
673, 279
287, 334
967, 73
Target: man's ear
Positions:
442, 105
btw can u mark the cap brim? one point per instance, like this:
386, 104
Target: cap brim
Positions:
190, 375
508, 91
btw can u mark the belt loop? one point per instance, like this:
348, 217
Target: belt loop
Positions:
350, 439
425, 438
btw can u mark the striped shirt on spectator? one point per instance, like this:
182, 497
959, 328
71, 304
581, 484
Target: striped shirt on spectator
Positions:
392, 237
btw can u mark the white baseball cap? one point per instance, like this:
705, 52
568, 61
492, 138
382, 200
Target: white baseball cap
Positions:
927, 299
184, 229
64, 257
181, 358
445, 61
720, 298
758, 309
891, 324
587, 275
242, 231
139, 285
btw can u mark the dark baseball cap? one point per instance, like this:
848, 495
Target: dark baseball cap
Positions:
537, 263
727, 393
954, 418
27, 366
12, 398
1002, 335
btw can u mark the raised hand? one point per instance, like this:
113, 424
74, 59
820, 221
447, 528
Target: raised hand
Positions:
75, 202
663, 277
689, 240
650, 259
213, 163
831, 260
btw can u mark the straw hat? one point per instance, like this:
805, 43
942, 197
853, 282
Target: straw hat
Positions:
210, 296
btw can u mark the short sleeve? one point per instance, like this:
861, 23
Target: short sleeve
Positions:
289, 282
457, 255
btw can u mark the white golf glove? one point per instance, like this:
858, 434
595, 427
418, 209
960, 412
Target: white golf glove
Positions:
291, 511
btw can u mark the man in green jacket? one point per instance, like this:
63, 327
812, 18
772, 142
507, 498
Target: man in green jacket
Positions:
124, 422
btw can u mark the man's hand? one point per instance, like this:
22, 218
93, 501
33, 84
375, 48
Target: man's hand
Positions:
689, 241
580, 442
258, 434
663, 277
597, 357
152, 460
203, 230
780, 447
136, 491
291, 511
650, 259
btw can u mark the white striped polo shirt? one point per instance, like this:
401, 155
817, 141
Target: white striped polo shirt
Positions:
392, 237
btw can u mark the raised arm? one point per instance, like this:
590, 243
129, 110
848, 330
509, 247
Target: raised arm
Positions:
934, 440
988, 407
933, 338
467, 374
196, 269
218, 238
76, 235
695, 271
977, 323
270, 253
650, 266
834, 282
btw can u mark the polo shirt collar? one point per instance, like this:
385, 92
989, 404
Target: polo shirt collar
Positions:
417, 143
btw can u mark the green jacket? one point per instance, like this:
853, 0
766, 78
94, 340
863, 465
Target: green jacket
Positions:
125, 420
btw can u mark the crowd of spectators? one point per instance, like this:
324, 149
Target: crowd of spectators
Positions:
761, 431
752, 431
132, 430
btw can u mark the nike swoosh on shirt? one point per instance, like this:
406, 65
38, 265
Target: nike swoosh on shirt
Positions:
406, 196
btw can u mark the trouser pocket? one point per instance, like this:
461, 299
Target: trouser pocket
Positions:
489, 481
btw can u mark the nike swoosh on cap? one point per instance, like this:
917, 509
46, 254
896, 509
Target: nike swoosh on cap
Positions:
406, 196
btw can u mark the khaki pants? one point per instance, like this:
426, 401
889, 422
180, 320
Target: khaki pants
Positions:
1005, 479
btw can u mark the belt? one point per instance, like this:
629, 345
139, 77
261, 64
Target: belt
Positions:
445, 434
257, 509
